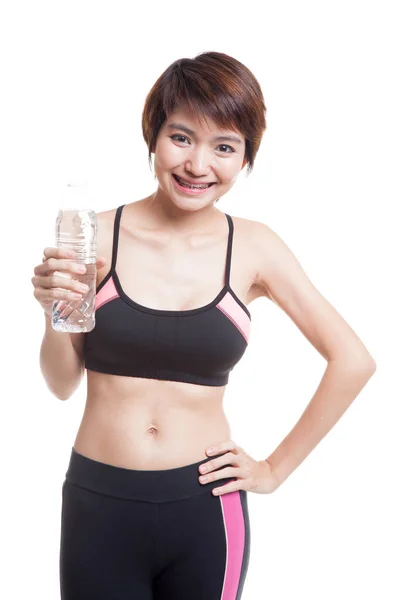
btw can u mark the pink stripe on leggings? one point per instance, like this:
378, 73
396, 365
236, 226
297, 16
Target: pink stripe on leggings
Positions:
235, 540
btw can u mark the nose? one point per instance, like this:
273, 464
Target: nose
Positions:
198, 162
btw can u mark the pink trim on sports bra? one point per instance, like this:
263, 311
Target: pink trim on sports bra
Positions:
107, 293
236, 314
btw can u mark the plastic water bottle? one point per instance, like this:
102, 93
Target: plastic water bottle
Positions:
76, 229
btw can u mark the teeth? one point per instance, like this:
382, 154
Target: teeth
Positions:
192, 185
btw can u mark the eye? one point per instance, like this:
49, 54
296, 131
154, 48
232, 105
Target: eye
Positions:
177, 135
226, 146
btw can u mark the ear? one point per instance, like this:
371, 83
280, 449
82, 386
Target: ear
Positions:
245, 161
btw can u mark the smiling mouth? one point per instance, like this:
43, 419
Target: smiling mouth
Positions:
195, 186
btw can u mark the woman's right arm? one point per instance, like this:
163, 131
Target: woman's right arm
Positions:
61, 360
61, 353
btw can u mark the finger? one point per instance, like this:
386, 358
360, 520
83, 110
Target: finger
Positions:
216, 463
222, 447
53, 281
58, 252
53, 264
232, 486
46, 295
216, 475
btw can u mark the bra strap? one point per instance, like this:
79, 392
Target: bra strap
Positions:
229, 250
117, 220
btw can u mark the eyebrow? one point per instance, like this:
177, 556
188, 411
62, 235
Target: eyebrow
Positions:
218, 138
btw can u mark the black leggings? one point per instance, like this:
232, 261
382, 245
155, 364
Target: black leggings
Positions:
150, 535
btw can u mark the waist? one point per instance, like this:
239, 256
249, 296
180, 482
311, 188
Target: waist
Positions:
150, 432
147, 485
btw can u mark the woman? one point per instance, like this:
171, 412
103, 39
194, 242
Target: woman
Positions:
175, 278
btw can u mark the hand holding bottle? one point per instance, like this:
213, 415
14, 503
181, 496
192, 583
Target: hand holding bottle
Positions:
49, 286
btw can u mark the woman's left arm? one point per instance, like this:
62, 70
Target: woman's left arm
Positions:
349, 367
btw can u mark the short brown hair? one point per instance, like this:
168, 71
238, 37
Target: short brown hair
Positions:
212, 85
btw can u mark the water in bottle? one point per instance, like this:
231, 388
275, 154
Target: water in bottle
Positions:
76, 229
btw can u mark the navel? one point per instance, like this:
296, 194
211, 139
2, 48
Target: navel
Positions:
152, 430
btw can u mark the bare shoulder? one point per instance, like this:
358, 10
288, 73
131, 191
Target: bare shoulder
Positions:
249, 234
278, 272
250, 227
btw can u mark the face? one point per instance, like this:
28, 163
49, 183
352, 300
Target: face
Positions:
198, 154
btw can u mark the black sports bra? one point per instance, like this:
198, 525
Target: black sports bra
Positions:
199, 345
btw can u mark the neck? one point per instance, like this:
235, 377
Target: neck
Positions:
177, 220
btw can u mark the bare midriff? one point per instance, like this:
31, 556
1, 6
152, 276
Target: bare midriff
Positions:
149, 424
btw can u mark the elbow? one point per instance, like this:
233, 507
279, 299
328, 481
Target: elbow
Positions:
62, 391
63, 396
368, 365
365, 366
67, 391
367, 370
63, 385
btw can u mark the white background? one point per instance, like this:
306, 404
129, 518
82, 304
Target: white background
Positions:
74, 78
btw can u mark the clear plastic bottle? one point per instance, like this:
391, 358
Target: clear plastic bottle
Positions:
76, 229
